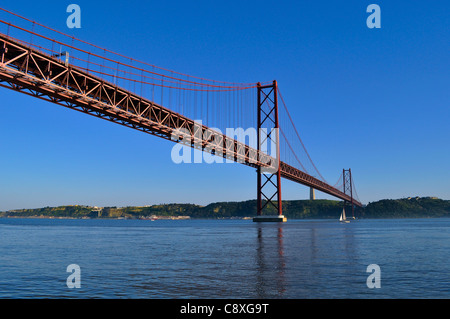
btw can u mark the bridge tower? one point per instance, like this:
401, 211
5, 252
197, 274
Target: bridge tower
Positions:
348, 188
268, 180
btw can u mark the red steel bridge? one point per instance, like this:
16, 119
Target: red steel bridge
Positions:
48, 64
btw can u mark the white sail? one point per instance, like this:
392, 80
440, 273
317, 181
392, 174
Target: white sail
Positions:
343, 218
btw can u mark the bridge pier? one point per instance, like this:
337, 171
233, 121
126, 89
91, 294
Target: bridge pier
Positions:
312, 195
270, 218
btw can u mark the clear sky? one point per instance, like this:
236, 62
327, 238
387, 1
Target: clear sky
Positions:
374, 100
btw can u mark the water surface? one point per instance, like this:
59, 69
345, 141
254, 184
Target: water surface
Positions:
224, 258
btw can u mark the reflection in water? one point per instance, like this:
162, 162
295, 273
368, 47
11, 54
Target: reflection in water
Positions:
270, 262
320, 255
282, 263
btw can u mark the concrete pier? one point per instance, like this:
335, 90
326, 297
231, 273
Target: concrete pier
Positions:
312, 195
270, 218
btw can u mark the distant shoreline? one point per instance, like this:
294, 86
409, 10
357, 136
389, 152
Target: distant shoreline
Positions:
204, 218
411, 207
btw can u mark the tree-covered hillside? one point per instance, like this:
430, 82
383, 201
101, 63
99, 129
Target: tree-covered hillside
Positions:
295, 209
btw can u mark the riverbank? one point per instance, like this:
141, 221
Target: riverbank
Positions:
411, 207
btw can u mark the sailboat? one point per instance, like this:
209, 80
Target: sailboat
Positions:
343, 219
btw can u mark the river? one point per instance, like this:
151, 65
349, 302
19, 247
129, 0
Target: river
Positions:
225, 258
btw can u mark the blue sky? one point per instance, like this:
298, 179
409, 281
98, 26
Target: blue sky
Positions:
374, 100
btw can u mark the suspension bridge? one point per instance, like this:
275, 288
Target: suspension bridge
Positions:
48, 64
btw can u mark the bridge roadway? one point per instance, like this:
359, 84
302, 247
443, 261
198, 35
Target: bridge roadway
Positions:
40, 75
